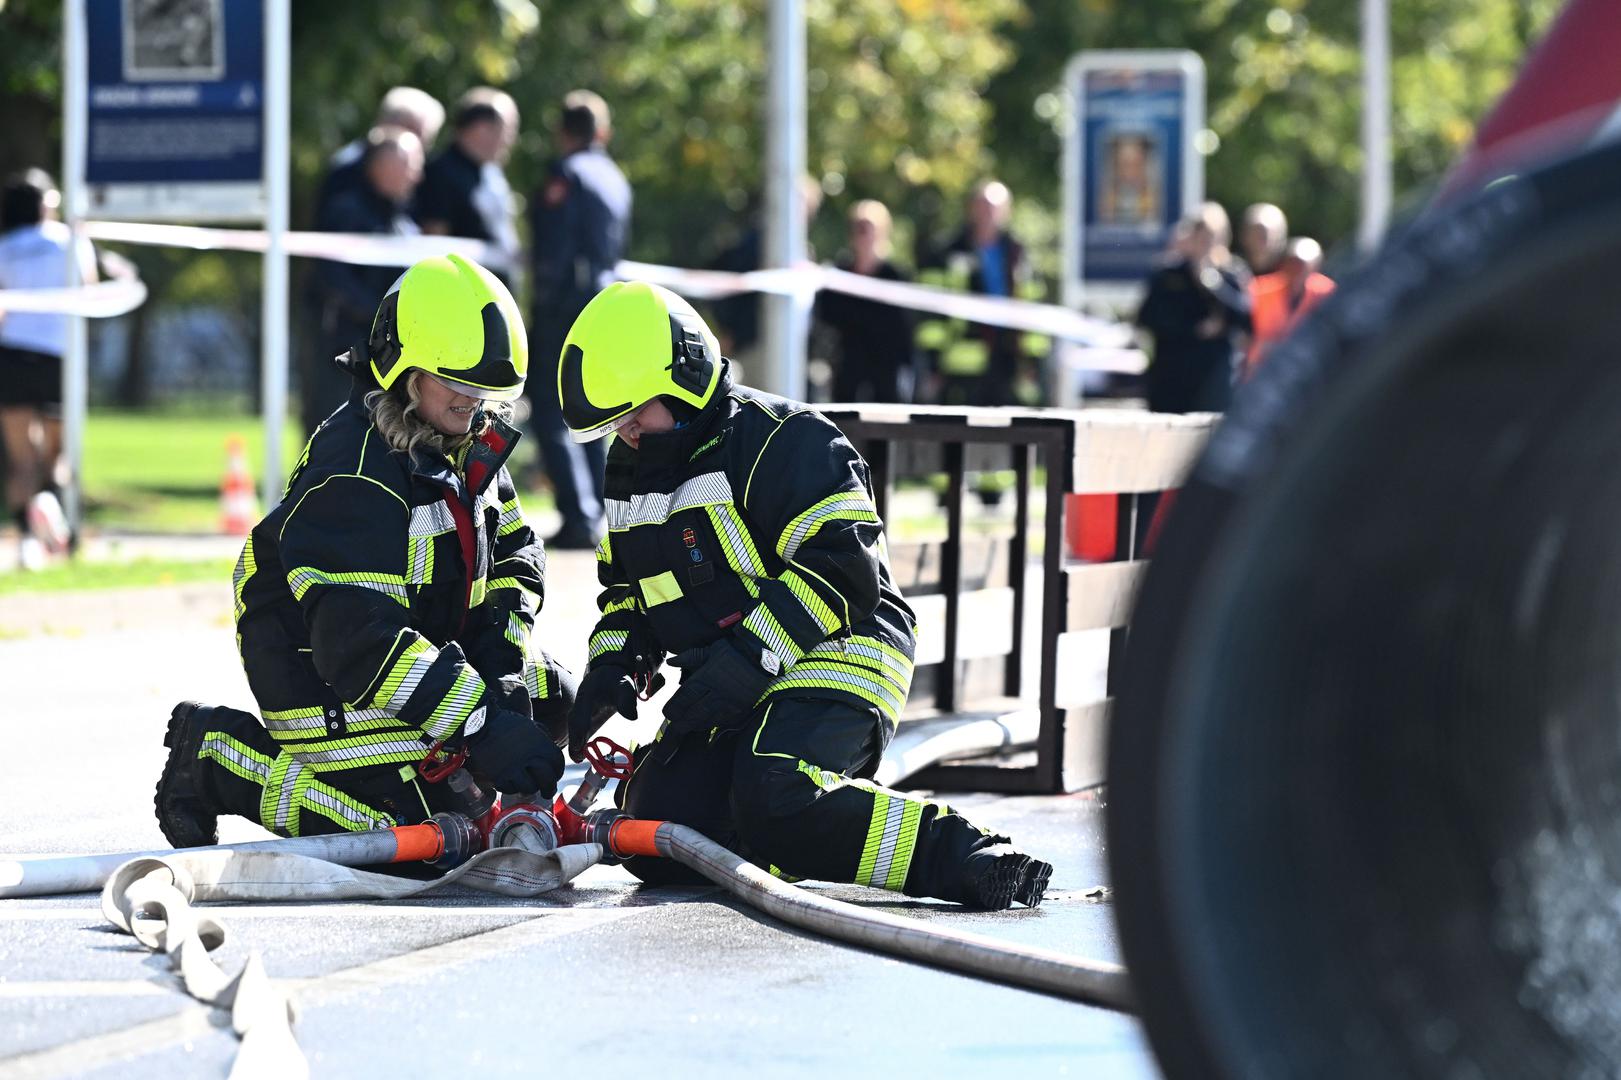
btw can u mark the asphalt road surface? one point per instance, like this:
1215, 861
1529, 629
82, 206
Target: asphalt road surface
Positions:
600, 976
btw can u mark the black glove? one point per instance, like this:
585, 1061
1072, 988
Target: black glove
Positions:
719, 686
605, 690
552, 711
515, 755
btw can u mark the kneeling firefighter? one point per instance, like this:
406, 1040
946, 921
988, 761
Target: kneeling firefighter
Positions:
742, 538
383, 609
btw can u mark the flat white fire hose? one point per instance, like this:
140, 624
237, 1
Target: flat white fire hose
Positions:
151, 898
975, 954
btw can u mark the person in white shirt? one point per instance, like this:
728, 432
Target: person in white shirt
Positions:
34, 247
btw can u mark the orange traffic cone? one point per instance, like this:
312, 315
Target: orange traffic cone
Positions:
239, 506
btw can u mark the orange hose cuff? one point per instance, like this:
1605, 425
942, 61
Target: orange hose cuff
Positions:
631, 836
418, 843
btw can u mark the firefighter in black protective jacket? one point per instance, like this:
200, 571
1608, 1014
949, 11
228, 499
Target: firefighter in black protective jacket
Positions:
742, 538
384, 608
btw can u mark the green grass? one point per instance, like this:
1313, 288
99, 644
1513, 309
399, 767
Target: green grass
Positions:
161, 471
81, 576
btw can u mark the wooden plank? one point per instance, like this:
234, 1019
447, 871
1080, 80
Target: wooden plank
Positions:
1101, 594
1128, 450
1086, 744
986, 628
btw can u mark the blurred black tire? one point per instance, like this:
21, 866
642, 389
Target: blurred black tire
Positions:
1365, 769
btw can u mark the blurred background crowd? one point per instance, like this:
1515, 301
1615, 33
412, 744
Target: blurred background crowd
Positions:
934, 146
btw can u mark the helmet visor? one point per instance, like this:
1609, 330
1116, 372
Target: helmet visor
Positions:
606, 428
483, 393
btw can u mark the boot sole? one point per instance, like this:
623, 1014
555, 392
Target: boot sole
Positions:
1034, 885
172, 737
998, 886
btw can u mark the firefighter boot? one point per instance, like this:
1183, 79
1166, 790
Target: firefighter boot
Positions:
185, 813
997, 875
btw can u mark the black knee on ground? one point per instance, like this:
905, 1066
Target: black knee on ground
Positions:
768, 795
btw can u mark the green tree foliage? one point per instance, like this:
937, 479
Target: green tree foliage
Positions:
910, 100
1284, 91
894, 93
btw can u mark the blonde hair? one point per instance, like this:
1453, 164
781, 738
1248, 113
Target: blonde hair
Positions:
394, 414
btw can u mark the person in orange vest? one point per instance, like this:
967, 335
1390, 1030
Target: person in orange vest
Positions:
1280, 299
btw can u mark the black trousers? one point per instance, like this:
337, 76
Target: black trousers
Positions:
245, 773
790, 792
575, 469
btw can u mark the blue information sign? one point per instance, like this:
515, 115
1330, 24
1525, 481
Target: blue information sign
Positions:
1133, 171
175, 108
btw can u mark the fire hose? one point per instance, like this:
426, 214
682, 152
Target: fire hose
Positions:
531, 849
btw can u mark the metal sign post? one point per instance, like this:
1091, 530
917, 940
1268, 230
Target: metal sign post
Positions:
1132, 167
273, 337
76, 361
787, 315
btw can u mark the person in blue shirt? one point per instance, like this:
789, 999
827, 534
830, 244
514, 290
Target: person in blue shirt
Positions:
579, 224
34, 255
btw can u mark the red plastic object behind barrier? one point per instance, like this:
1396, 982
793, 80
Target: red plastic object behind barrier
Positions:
1089, 526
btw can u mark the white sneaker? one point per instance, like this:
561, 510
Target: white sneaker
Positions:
31, 555
48, 523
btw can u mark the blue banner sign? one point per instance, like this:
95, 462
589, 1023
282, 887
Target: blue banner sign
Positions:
1132, 169
175, 109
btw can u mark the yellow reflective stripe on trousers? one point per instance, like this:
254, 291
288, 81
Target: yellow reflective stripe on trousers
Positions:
891, 836
338, 808
278, 808
383, 748
235, 756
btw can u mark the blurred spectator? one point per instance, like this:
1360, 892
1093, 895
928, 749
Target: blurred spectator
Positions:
346, 295
736, 319
978, 364
1197, 309
34, 255
464, 191
1262, 236
579, 226
1282, 298
417, 111
874, 360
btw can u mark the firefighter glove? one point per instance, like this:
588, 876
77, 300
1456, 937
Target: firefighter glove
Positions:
605, 690
515, 755
719, 686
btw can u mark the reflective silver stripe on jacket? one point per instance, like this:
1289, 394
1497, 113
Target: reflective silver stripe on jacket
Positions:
655, 508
